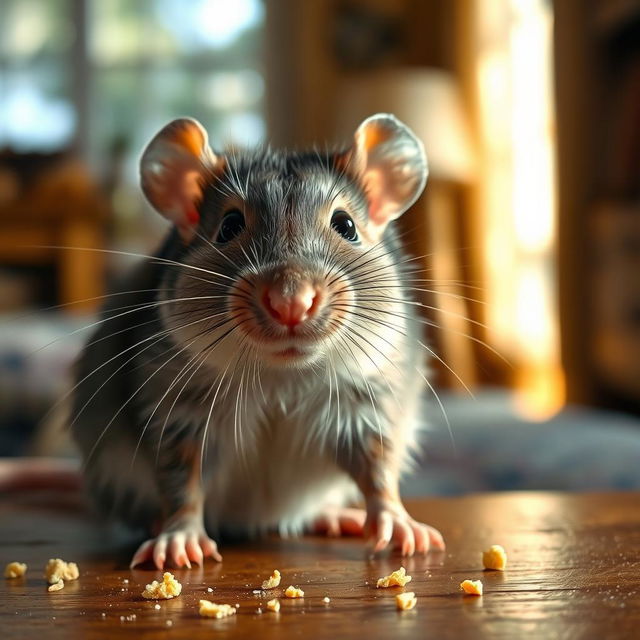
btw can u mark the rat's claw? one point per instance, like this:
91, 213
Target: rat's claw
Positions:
177, 548
160, 551
143, 554
390, 522
209, 548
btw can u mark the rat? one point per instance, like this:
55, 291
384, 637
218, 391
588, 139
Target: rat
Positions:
262, 371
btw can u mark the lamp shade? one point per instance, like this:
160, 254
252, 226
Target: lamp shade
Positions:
427, 100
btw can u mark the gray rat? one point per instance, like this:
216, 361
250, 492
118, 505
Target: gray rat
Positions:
263, 369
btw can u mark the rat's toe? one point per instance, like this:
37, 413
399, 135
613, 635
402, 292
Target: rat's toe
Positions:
143, 554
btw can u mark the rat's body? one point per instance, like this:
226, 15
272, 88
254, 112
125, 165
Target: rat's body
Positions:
265, 366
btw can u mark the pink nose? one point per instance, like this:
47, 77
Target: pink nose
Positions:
291, 310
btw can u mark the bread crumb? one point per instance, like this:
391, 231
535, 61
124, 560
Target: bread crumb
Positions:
58, 569
210, 609
168, 588
15, 570
495, 558
294, 592
406, 600
274, 605
472, 587
273, 581
157, 607
56, 586
326, 599
398, 578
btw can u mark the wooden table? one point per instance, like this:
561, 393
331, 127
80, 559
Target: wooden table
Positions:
574, 572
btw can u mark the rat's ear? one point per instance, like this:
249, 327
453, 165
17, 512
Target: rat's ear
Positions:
172, 172
392, 165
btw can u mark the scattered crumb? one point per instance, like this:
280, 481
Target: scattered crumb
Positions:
294, 592
406, 600
168, 588
56, 586
157, 607
274, 605
125, 581
58, 569
169, 623
256, 591
209, 590
273, 581
326, 599
472, 587
103, 615
495, 558
15, 570
259, 611
398, 578
212, 610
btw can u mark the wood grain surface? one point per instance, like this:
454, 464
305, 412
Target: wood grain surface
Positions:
573, 572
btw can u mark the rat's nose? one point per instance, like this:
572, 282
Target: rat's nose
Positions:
293, 309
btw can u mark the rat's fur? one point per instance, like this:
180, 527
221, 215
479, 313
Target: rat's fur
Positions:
177, 391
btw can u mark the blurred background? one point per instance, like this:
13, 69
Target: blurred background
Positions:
529, 226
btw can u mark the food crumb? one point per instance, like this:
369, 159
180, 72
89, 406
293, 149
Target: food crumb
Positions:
273, 581
326, 599
259, 611
294, 592
15, 570
58, 569
398, 578
168, 588
209, 590
406, 600
157, 607
472, 587
169, 623
274, 605
210, 609
56, 586
495, 558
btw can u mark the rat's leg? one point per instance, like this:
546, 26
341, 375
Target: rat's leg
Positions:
182, 538
374, 466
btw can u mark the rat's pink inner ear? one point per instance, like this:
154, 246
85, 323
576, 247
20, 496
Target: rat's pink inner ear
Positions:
173, 169
391, 164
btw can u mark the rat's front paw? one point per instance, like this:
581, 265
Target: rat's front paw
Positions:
339, 521
178, 548
389, 521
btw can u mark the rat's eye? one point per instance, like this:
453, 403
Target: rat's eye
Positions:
342, 222
232, 225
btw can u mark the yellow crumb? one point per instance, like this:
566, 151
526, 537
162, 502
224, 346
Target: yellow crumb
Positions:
56, 586
274, 605
294, 592
15, 570
495, 558
168, 588
406, 600
210, 609
472, 587
58, 569
273, 581
398, 578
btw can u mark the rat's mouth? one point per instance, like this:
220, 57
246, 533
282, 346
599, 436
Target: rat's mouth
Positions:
287, 352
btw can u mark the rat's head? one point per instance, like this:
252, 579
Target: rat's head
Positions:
287, 257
